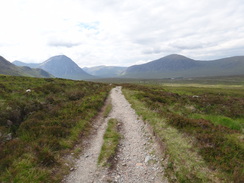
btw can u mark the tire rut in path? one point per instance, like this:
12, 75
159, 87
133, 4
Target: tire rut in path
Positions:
138, 158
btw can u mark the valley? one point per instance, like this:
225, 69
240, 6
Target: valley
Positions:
169, 67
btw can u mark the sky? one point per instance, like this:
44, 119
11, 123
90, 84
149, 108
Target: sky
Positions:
120, 32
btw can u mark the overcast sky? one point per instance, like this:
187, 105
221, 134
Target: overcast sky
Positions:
120, 32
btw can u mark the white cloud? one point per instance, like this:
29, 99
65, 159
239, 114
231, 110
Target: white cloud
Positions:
124, 32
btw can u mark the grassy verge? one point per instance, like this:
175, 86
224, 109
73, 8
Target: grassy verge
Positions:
216, 147
184, 163
38, 127
107, 110
111, 141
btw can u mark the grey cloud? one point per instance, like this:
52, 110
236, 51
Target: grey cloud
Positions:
151, 29
187, 45
63, 44
152, 51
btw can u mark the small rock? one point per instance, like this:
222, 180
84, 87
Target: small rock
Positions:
117, 177
147, 158
123, 164
9, 136
139, 164
71, 169
9, 123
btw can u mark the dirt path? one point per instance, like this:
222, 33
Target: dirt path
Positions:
137, 157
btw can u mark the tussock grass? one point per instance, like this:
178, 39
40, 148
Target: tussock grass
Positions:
27, 170
44, 124
110, 143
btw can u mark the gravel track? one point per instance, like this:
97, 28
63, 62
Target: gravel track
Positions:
137, 159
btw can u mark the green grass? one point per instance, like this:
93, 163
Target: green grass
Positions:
219, 147
107, 110
45, 124
235, 124
111, 141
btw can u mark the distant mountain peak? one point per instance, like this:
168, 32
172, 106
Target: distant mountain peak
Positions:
59, 66
176, 56
64, 67
59, 59
60, 56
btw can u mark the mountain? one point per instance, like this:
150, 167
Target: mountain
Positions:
105, 71
8, 68
180, 66
31, 65
62, 66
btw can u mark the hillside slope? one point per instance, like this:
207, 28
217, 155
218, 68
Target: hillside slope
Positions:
8, 68
180, 66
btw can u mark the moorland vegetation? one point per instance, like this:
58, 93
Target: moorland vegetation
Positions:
41, 119
199, 125
200, 128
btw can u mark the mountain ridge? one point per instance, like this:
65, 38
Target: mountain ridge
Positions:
171, 66
181, 66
